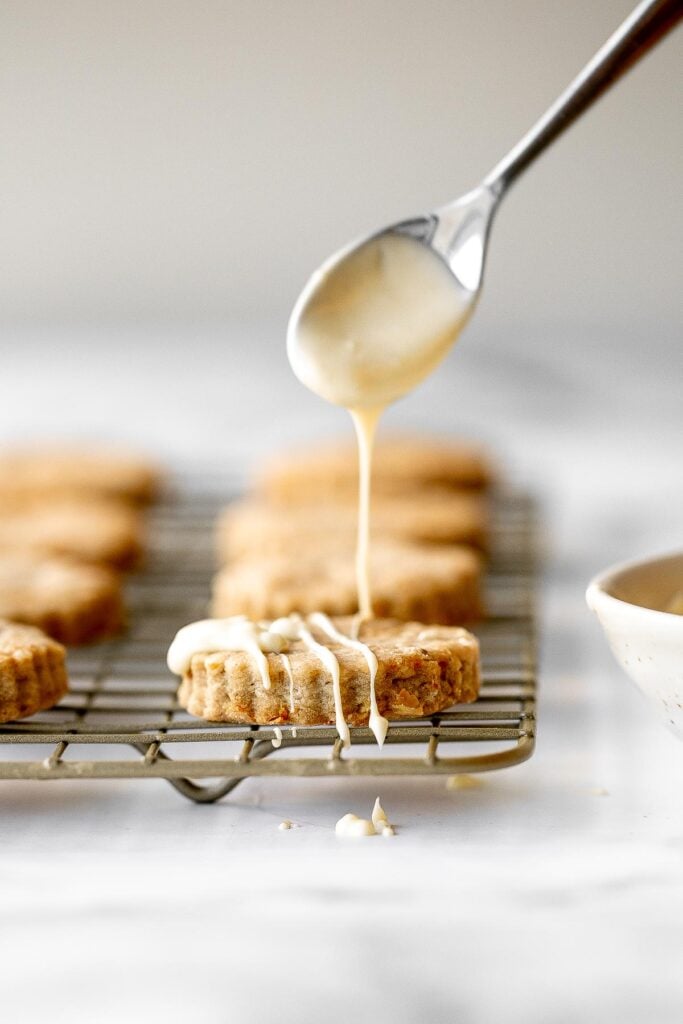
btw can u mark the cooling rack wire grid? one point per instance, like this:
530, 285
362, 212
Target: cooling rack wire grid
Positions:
121, 718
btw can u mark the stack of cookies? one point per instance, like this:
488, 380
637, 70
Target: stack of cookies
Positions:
299, 655
71, 521
288, 546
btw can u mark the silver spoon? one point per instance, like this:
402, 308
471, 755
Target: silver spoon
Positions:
458, 233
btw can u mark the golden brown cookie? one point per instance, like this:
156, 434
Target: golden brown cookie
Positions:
32, 671
400, 464
251, 526
77, 471
409, 581
70, 601
421, 671
103, 532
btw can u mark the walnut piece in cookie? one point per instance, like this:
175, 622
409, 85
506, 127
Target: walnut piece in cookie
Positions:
409, 581
32, 671
101, 532
70, 601
421, 670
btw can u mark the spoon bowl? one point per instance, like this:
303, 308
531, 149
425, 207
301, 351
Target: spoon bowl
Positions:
459, 234
350, 346
378, 316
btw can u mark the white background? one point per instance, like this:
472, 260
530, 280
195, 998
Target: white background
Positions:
165, 159
171, 173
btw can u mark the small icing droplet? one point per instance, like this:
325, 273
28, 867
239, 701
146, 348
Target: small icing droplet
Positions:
379, 818
463, 782
351, 826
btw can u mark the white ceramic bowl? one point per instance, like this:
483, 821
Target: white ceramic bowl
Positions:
647, 641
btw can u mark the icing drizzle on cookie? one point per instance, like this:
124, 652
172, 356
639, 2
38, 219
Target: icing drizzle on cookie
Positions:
377, 723
287, 665
238, 633
210, 636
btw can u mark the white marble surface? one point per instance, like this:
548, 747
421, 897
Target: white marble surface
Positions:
552, 894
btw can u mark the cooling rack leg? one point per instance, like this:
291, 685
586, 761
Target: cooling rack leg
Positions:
209, 794
204, 794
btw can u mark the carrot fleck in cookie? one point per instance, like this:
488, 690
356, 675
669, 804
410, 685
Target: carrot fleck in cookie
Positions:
78, 471
32, 671
400, 464
251, 526
409, 581
103, 532
419, 671
70, 601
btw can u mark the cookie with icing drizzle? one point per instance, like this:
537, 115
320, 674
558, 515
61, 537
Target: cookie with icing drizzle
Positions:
314, 670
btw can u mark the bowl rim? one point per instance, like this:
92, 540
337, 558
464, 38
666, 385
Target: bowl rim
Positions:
597, 587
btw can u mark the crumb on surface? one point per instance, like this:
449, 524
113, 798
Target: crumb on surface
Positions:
463, 782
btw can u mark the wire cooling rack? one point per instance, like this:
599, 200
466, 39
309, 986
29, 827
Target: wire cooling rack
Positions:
121, 718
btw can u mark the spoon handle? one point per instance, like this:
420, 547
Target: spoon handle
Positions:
644, 27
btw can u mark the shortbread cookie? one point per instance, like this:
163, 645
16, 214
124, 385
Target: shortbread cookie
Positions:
104, 532
400, 464
252, 526
409, 581
77, 471
32, 671
421, 671
72, 602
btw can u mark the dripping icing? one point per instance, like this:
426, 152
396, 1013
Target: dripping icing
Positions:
377, 723
290, 678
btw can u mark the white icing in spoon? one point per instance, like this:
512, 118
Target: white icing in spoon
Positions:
374, 321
